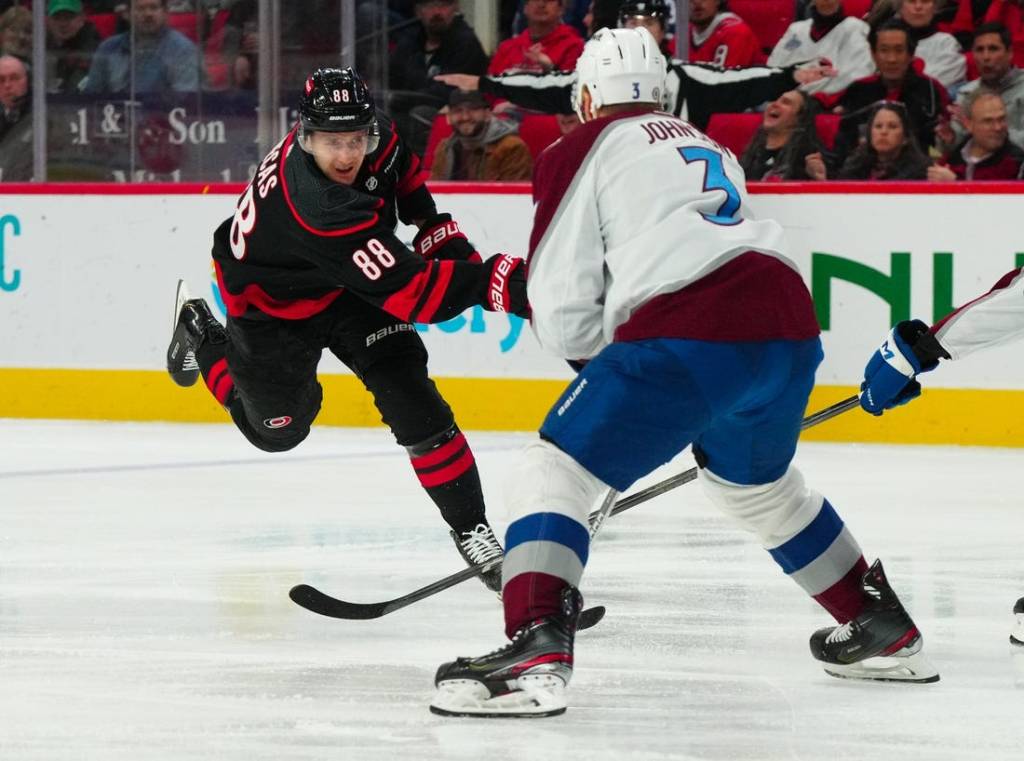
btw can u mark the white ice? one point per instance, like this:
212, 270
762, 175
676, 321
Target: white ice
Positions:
144, 615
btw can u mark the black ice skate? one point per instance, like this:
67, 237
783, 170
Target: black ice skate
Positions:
881, 644
480, 545
526, 678
1017, 636
194, 324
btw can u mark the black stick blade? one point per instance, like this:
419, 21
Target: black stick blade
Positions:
314, 600
590, 617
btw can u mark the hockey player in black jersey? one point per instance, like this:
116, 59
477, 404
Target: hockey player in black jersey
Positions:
310, 261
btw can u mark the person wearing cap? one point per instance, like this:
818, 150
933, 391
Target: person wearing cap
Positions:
481, 147
71, 40
441, 43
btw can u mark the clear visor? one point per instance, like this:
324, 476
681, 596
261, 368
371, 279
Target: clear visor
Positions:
360, 142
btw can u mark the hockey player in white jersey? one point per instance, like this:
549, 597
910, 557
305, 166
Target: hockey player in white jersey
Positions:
912, 348
692, 326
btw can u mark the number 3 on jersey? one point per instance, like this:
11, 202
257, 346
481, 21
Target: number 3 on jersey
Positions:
716, 179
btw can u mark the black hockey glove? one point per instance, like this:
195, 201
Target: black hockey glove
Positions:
441, 238
506, 286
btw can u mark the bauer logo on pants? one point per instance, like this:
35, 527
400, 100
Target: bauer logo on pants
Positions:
277, 422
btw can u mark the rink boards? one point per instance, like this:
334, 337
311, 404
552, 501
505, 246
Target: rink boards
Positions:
87, 277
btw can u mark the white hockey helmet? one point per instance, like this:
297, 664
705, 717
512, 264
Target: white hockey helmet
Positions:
619, 66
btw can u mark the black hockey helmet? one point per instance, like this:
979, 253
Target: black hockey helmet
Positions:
337, 100
657, 9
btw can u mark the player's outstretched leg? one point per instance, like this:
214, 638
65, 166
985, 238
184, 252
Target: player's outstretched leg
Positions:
447, 470
881, 643
1017, 636
526, 678
198, 342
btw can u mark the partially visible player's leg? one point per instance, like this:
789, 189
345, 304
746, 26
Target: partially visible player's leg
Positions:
1017, 636
389, 358
617, 422
746, 471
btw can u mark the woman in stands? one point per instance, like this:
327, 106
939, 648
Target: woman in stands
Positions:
786, 144
890, 151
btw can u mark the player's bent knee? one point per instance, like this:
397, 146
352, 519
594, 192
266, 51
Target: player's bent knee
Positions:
775, 509
280, 434
546, 479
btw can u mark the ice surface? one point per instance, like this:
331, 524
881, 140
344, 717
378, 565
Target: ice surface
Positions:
144, 572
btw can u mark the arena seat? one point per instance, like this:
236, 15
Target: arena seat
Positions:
184, 23
857, 8
539, 131
439, 130
768, 18
827, 126
105, 23
734, 131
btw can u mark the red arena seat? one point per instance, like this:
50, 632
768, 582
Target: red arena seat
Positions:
768, 18
857, 8
105, 23
186, 23
734, 131
439, 130
827, 126
538, 132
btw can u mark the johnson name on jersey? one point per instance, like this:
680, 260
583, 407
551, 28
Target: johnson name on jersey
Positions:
676, 254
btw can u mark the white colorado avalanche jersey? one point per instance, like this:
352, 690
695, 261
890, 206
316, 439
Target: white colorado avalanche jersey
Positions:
643, 210
993, 319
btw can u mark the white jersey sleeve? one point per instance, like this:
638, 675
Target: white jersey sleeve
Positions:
647, 206
989, 320
943, 58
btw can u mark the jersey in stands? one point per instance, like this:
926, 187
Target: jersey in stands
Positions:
845, 45
727, 41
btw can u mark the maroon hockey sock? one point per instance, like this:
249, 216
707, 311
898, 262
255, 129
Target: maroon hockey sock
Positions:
529, 596
844, 600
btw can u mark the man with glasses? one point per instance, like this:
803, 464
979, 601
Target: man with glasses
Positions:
310, 261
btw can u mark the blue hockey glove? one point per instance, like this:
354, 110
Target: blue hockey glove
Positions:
889, 378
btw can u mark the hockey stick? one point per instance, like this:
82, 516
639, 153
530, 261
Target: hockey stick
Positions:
314, 600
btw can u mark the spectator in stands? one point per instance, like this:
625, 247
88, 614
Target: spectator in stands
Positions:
652, 15
943, 58
601, 14
441, 43
720, 37
16, 33
831, 34
892, 48
481, 147
1011, 14
994, 59
71, 40
15, 121
574, 14
163, 59
546, 44
786, 141
987, 153
890, 151
241, 45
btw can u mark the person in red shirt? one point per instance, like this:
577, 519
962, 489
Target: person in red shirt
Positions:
986, 153
546, 44
720, 37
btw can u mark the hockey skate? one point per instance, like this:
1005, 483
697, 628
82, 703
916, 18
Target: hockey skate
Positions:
1017, 635
194, 324
524, 679
881, 644
480, 545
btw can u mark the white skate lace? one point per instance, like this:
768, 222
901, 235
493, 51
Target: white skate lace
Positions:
840, 633
480, 544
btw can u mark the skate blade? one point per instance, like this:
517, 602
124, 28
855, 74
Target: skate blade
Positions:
913, 668
534, 697
188, 373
